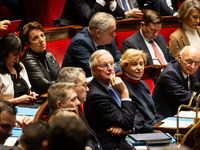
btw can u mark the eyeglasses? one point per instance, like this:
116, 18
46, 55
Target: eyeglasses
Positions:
105, 65
83, 84
190, 62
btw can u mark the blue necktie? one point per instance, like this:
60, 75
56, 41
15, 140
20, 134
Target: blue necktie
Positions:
125, 6
115, 96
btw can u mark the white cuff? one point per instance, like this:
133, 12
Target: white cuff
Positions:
113, 6
101, 2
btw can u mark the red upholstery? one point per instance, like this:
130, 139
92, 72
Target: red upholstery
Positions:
53, 10
179, 4
58, 48
150, 83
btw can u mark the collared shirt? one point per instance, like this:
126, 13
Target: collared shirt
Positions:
188, 81
112, 7
95, 44
127, 3
151, 50
107, 88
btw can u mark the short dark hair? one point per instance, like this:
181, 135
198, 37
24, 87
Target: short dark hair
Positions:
68, 133
151, 16
7, 107
25, 30
34, 135
9, 43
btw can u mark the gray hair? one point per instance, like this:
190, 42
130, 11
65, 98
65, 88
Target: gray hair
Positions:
59, 92
100, 20
70, 74
186, 8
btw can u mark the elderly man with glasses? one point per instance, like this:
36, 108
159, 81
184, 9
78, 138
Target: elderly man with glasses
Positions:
108, 105
174, 85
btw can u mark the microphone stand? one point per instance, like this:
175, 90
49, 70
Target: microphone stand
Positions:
177, 136
196, 119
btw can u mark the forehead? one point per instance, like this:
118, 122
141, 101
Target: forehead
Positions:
35, 32
192, 53
154, 25
7, 118
107, 57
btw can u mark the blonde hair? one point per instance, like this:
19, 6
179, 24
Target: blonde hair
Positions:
63, 112
131, 55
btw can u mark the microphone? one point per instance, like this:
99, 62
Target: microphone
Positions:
195, 89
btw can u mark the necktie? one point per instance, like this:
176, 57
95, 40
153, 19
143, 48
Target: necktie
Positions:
114, 95
100, 47
188, 82
157, 53
125, 5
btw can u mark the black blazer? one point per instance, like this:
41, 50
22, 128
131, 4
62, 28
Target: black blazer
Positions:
136, 41
102, 112
79, 12
171, 90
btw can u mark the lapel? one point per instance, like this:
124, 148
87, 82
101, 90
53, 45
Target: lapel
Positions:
184, 38
101, 88
142, 45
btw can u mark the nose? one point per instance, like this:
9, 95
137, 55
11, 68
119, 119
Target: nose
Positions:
87, 89
10, 132
192, 65
77, 102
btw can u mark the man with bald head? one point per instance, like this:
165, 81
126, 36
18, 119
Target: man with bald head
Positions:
174, 85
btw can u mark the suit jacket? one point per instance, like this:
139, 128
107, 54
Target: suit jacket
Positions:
3, 147
171, 90
79, 12
82, 47
94, 143
102, 112
132, 3
178, 39
136, 41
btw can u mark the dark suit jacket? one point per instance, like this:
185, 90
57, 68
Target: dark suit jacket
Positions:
82, 47
3, 147
79, 12
102, 112
136, 41
94, 143
171, 90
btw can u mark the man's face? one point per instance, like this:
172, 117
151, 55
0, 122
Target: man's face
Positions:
105, 68
109, 35
150, 31
72, 101
82, 88
7, 122
190, 61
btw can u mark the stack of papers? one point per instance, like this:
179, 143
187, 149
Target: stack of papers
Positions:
171, 122
188, 114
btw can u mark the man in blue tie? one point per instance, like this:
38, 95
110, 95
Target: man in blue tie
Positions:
108, 103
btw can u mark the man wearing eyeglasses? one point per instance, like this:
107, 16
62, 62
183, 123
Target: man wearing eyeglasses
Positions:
174, 84
99, 35
108, 103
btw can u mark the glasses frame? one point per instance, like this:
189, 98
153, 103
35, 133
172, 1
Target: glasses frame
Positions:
83, 84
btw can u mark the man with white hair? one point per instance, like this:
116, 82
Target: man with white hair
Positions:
99, 35
174, 84
108, 104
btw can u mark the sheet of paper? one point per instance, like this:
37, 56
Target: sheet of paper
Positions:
188, 114
10, 141
173, 124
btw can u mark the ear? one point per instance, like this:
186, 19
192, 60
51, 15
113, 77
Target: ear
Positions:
59, 104
94, 70
142, 24
98, 33
179, 58
45, 145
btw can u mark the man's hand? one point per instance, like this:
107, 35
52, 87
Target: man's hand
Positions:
119, 85
118, 131
4, 24
26, 120
134, 13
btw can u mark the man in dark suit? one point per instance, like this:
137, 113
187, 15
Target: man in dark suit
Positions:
99, 35
148, 40
174, 84
79, 12
108, 103
77, 76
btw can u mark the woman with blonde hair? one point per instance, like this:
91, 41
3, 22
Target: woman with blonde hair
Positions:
132, 64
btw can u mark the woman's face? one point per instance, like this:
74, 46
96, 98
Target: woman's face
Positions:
136, 68
37, 41
12, 58
192, 20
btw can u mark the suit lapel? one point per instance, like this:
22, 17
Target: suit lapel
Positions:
184, 38
143, 46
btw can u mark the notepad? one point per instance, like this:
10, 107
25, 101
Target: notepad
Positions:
11, 28
151, 138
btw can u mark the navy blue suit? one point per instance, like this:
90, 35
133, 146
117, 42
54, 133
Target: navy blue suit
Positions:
79, 12
136, 41
82, 47
102, 112
171, 90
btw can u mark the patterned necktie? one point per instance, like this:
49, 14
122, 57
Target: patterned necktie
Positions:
125, 5
114, 95
157, 53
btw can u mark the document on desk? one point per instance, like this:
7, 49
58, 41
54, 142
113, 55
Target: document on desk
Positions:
171, 122
187, 114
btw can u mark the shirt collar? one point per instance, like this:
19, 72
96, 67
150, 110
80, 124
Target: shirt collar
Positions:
184, 75
144, 36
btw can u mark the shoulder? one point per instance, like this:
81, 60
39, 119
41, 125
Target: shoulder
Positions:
177, 32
